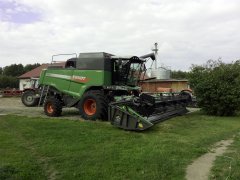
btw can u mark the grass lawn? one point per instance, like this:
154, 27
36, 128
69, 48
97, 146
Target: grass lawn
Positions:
39, 148
228, 165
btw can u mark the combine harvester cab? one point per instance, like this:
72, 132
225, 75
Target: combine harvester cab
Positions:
149, 109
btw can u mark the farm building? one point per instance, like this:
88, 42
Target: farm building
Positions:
25, 79
156, 84
162, 81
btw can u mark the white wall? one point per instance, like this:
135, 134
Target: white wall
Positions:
24, 83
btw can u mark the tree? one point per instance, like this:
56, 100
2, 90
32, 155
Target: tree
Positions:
13, 70
1, 70
8, 82
216, 86
30, 67
179, 74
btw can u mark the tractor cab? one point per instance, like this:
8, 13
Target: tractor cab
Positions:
33, 84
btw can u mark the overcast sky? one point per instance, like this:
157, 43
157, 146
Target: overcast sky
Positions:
187, 31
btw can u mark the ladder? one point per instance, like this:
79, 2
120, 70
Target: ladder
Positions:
43, 95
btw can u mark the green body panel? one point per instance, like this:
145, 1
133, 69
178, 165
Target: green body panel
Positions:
74, 82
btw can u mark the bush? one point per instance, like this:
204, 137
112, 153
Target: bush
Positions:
8, 82
217, 87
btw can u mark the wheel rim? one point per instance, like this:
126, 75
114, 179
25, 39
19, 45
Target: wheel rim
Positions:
90, 107
50, 108
29, 98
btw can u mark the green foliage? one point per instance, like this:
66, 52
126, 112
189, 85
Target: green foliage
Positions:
217, 86
13, 70
8, 82
180, 74
29, 67
1, 70
8, 76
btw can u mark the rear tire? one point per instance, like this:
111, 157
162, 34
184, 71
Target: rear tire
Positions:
93, 105
188, 94
53, 107
28, 99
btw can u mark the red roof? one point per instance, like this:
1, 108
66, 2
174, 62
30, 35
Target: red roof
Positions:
35, 73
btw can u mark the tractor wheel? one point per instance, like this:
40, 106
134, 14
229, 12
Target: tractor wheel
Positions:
93, 105
188, 94
52, 107
28, 99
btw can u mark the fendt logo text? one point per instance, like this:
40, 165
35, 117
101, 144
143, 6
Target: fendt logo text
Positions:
80, 79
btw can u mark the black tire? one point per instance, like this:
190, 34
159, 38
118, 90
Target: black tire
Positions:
28, 99
101, 105
187, 94
52, 107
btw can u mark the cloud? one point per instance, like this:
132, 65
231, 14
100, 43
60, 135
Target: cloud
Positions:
188, 31
14, 12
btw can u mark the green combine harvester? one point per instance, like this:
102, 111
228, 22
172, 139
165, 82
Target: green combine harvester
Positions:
104, 86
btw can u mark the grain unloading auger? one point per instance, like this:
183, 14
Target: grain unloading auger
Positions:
104, 86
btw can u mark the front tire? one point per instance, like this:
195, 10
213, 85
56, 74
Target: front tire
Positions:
28, 98
53, 107
93, 105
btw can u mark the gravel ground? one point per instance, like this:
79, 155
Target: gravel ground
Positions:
14, 105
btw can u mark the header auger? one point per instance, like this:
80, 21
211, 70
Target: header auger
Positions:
104, 86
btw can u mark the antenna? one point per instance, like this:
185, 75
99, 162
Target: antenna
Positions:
155, 50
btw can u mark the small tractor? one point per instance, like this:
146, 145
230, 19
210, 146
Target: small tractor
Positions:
105, 86
29, 96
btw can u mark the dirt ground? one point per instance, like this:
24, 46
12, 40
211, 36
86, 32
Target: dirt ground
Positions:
14, 105
200, 168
